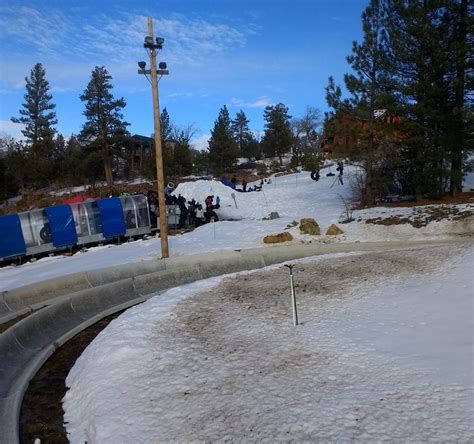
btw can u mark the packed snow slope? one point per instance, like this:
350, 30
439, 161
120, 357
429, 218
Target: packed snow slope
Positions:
242, 225
384, 353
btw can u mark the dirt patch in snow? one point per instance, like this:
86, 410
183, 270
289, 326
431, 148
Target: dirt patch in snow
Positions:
239, 369
423, 216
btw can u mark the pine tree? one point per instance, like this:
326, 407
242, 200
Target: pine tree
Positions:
12, 161
72, 163
39, 120
105, 129
240, 129
37, 113
183, 164
462, 48
426, 74
167, 145
278, 138
223, 149
367, 86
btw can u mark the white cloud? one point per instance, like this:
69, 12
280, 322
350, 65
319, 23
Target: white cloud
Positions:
201, 143
70, 45
53, 33
11, 129
177, 95
261, 103
31, 27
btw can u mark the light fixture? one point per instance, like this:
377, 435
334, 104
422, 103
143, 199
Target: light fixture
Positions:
162, 65
160, 41
148, 41
142, 65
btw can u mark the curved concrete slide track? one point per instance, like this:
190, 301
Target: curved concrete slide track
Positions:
58, 309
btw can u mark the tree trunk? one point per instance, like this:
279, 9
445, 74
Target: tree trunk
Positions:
108, 172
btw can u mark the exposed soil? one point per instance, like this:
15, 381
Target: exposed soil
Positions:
422, 217
461, 198
41, 414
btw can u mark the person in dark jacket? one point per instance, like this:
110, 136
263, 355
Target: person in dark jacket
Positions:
183, 215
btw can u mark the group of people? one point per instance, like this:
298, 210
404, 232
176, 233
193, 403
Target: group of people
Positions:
191, 213
316, 175
233, 184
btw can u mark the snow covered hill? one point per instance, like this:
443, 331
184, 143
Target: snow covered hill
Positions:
243, 224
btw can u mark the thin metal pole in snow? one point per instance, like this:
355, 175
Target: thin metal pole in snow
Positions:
293, 295
266, 201
214, 225
334, 183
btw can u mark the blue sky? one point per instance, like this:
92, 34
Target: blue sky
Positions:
244, 54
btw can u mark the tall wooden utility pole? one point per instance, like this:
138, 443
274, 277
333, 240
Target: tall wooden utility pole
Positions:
158, 148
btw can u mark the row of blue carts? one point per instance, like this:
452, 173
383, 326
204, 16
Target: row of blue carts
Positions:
63, 227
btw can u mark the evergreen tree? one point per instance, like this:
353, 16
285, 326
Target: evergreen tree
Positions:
38, 115
39, 120
72, 163
429, 55
462, 127
11, 161
247, 144
251, 148
200, 161
223, 149
240, 129
367, 85
16, 174
105, 130
278, 138
183, 164
166, 143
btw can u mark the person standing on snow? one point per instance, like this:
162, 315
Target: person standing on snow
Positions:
199, 217
210, 208
340, 168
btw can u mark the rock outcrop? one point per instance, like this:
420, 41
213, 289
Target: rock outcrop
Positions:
309, 226
334, 230
277, 238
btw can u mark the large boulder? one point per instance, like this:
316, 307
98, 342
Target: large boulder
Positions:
309, 226
334, 230
277, 238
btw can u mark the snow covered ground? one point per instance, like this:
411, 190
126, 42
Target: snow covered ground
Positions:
293, 196
384, 351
